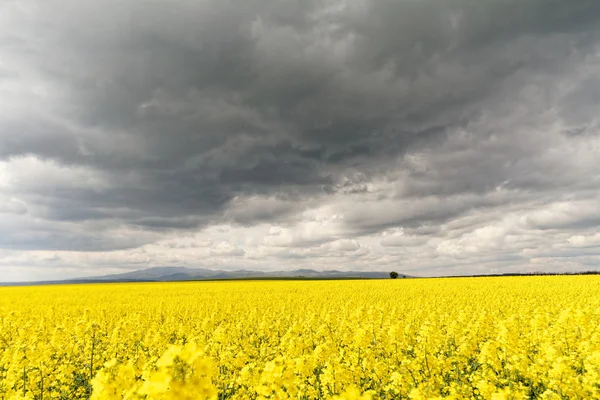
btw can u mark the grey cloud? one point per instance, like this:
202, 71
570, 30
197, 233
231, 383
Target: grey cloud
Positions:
200, 113
312, 99
255, 209
12, 206
18, 233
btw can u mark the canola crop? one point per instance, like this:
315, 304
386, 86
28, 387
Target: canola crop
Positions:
475, 338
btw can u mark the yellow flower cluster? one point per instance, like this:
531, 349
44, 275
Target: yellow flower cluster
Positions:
476, 338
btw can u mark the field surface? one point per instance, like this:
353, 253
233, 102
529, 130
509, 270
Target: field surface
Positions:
481, 338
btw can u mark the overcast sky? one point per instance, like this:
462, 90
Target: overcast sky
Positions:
429, 137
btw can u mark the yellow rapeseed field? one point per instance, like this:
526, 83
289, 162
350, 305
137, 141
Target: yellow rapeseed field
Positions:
479, 338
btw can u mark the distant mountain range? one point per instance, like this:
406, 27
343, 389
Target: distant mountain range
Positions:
177, 274
174, 274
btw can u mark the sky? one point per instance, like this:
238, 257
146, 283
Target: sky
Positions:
425, 137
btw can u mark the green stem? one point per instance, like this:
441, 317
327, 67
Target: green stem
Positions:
41, 384
92, 356
24, 381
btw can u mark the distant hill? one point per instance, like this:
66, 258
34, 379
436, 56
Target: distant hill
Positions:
176, 274
162, 274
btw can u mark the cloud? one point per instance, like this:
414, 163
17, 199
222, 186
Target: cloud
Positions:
299, 125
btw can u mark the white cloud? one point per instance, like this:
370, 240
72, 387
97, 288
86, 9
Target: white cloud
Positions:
28, 174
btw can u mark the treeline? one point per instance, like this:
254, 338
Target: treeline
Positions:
528, 274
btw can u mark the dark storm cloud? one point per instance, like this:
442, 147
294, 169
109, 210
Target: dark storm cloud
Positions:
206, 101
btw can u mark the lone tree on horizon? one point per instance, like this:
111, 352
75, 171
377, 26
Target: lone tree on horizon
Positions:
393, 274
